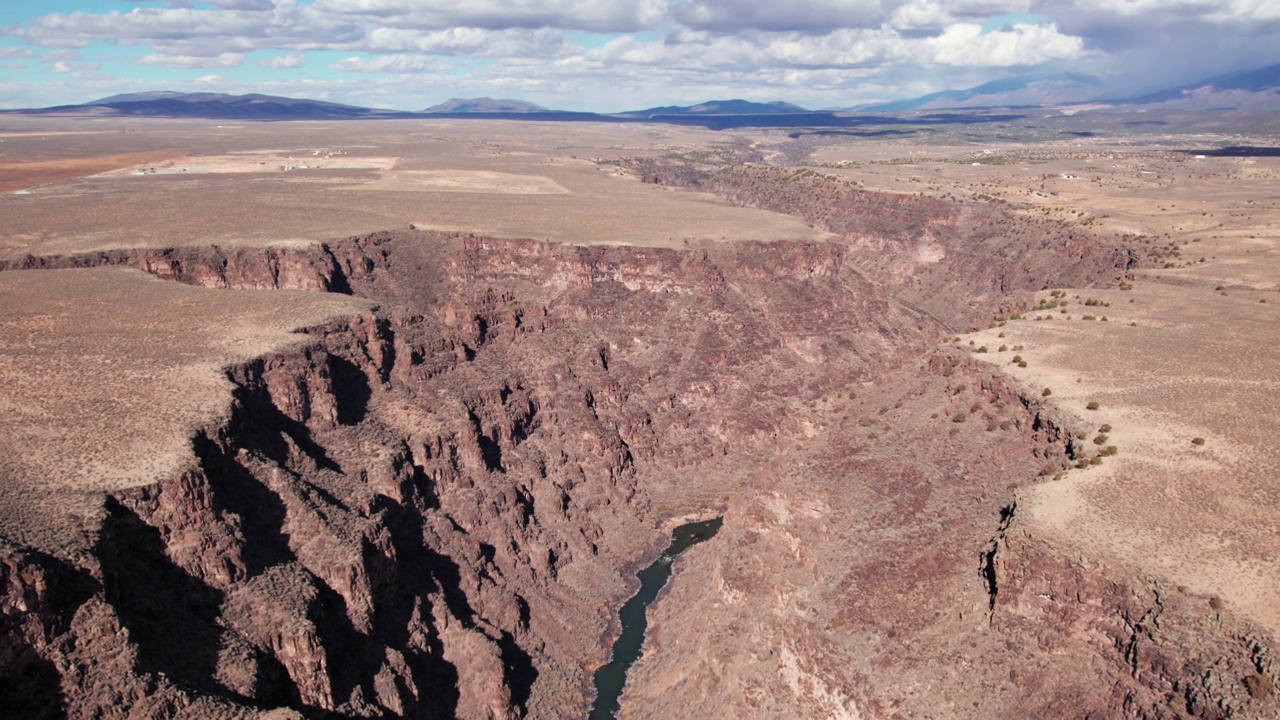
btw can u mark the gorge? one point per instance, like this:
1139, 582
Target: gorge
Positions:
433, 502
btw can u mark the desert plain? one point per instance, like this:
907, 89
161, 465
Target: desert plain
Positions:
392, 410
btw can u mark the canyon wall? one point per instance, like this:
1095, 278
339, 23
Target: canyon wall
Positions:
963, 262
435, 509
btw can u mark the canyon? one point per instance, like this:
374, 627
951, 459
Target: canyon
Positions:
430, 496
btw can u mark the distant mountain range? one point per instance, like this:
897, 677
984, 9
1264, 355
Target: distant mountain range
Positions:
219, 106
719, 107
1026, 91
485, 105
1249, 89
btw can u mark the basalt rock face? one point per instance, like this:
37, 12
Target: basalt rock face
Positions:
1173, 654
434, 510
881, 571
304, 268
962, 263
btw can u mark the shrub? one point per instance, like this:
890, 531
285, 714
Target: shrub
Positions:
1197, 441
1004, 348
1046, 392
1093, 405
1109, 450
959, 417
1101, 439
982, 349
1017, 358
1022, 363
1259, 685
1095, 460
1106, 428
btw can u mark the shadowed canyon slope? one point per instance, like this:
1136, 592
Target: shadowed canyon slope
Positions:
434, 505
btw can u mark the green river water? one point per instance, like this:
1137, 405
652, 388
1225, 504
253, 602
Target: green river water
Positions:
611, 678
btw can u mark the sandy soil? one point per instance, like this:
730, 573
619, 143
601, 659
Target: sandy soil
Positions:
464, 181
507, 179
1186, 354
254, 163
26, 174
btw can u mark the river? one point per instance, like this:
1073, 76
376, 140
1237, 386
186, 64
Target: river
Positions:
611, 678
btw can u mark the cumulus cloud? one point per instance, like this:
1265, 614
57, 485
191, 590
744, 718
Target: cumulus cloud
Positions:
966, 44
962, 44
827, 50
1119, 23
282, 62
223, 60
938, 15
593, 15
475, 42
390, 64
808, 15
194, 31
226, 4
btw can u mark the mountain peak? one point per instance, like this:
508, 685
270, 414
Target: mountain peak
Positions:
1260, 86
1020, 91
721, 107
485, 105
167, 103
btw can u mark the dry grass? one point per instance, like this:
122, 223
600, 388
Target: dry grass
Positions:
33, 172
1198, 363
505, 179
108, 371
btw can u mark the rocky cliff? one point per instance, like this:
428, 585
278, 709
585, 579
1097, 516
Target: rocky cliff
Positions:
961, 262
435, 509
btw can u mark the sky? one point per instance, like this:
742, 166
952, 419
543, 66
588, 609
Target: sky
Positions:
614, 55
